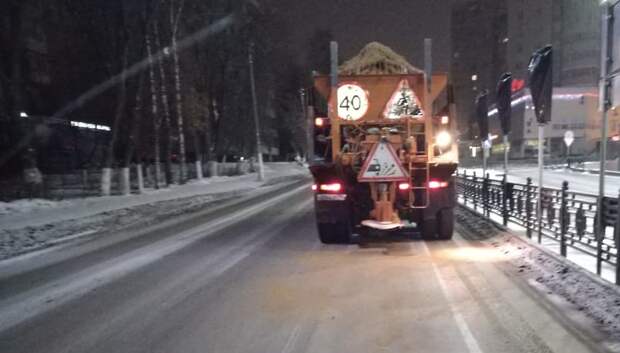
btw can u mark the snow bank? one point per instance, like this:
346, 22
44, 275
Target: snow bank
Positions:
22, 206
23, 213
29, 225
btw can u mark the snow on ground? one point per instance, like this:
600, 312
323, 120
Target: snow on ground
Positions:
35, 212
28, 225
24, 206
548, 273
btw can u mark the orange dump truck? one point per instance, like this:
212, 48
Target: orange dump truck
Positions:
384, 149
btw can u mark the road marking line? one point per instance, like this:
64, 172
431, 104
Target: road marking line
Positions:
468, 337
292, 339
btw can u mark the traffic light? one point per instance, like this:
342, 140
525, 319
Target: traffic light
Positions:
504, 97
482, 115
540, 82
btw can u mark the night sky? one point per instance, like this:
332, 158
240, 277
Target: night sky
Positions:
400, 24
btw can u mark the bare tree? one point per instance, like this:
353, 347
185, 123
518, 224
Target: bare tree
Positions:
166, 106
174, 24
133, 142
154, 108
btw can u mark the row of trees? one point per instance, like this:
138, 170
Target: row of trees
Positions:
169, 76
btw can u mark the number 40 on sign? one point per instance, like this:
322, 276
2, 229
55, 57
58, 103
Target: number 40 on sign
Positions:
352, 101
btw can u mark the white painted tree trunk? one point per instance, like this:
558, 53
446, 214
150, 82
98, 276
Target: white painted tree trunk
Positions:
140, 178
125, 183
199, 170
106, 181
212, 168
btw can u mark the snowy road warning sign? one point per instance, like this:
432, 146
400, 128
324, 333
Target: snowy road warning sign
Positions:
403, 103
382, 164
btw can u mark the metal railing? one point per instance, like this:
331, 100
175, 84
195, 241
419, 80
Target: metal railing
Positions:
568, 217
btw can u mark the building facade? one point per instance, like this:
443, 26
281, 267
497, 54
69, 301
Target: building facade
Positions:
573, 28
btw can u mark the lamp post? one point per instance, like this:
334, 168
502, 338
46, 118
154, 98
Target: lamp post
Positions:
504, 111
483, 125
541, 86
309, 124
261, 172
604, 105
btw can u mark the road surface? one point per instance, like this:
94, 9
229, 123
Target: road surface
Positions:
577, 181
253, 277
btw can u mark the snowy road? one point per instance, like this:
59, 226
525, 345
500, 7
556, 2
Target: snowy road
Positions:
253, 277
577, 181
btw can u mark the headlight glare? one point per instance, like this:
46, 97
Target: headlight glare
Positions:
443, 139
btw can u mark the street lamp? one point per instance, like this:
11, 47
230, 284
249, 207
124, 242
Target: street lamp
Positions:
604, 105
261, 172
541, 86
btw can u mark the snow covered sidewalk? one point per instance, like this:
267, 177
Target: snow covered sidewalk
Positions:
576, 292
28, 225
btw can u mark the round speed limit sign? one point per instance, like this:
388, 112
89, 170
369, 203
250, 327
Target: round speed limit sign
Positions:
352, 102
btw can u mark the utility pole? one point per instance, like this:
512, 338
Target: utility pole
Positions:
261, 173
604, 105
309, 124
541, 87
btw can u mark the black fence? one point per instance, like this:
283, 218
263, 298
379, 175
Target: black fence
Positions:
568, 217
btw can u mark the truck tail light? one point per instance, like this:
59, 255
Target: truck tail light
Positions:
436, 184
319, 122
314, 187
403, 186
333, 187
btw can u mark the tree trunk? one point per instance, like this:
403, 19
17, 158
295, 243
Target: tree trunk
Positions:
166, 108
198, 155
120, 108
133, 140
14, 86
174, 23
207, 155
125, 182
156, 120
140, 178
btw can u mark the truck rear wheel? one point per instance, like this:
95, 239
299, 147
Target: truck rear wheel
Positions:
445, 224
429, 229
334, 233
440, 228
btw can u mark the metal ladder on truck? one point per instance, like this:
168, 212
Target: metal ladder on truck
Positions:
418, 166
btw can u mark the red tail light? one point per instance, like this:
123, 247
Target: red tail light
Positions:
319, 122
436, 184
314, 187
333, 187
403, 186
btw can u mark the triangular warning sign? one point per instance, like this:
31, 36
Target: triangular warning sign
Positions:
382, 164
403, 103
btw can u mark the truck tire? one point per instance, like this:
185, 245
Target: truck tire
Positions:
429, 229
445, 224
334, 233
